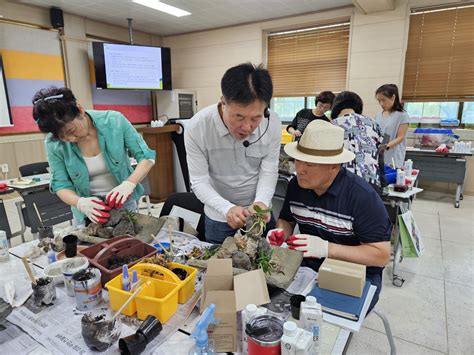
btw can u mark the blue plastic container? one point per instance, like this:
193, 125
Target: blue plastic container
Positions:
390, 175
158, 246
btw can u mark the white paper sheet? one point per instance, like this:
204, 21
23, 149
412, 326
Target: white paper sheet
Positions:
305, 278
14, 341
189, 216
58, 327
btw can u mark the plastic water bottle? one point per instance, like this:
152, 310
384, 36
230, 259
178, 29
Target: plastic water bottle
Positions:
4, 254
51, 256
408, 167
400, 177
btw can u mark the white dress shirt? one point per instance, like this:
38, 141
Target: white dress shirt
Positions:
222, 171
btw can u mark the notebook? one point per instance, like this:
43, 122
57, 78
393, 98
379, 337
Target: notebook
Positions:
339, 304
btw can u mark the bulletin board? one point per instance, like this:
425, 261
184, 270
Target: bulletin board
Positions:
31, 61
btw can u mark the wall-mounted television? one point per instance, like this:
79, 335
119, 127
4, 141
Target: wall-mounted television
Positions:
131, 67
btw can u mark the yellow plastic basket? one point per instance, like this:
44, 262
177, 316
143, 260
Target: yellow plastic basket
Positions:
188, 284
117, 296
286, 137
186, 287
159, 298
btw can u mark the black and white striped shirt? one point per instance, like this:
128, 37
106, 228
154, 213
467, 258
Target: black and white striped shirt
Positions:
350, 212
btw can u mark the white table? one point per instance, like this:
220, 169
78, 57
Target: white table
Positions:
177, 341
44, 180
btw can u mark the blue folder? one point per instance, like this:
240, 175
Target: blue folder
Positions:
339, 304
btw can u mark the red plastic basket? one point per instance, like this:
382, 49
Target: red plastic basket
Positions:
99, 254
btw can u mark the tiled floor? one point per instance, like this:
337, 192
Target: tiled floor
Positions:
433, 311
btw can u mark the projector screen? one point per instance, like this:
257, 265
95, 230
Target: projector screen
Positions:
5, 114
131, 67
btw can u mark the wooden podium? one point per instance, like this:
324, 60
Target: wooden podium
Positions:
161, 176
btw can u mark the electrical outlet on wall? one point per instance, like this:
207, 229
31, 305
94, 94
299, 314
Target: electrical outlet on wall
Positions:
4, 168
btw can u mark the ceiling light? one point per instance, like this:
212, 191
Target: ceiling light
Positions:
158, 5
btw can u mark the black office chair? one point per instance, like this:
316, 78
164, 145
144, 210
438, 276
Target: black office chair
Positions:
178, 140
51, 209
4, 225
34, 169
189, 201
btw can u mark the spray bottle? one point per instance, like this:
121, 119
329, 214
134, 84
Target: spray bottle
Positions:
202, 346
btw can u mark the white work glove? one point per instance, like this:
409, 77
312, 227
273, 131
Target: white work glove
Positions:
120, 194
310, 245
94, 209
276, 236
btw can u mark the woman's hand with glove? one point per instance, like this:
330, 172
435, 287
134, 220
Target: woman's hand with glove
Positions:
310, 245
94, 209
120, 194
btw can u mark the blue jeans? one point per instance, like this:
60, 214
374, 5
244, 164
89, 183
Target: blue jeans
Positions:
376, 280
216, 231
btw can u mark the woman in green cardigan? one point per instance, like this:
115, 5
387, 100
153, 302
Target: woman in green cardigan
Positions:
88, 155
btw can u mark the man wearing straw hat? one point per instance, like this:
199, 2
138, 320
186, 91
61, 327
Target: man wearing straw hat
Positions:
338, 213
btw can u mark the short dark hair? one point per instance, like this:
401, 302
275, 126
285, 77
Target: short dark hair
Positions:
53, 113
388, 90
245, 83
326, 97
346, 99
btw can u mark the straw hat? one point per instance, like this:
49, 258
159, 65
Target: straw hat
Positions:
321, 143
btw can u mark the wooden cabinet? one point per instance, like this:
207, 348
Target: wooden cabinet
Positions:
161, 176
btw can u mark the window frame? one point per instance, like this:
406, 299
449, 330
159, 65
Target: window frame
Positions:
459, 116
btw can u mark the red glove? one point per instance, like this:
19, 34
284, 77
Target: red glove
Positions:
119, 194
276, 236
94, 209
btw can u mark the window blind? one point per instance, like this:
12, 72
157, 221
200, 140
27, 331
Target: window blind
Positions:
439, 62
307, 61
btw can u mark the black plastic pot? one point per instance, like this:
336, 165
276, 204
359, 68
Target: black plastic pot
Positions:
295, 302
136, 343
70, 245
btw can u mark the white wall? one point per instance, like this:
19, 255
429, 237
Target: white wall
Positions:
20, 149
200, 59
377, 52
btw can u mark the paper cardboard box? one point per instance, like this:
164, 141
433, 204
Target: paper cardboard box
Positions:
342, 276
230, 294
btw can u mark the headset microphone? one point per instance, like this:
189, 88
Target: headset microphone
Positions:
266, 114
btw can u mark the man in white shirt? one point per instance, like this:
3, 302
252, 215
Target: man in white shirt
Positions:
232, 150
